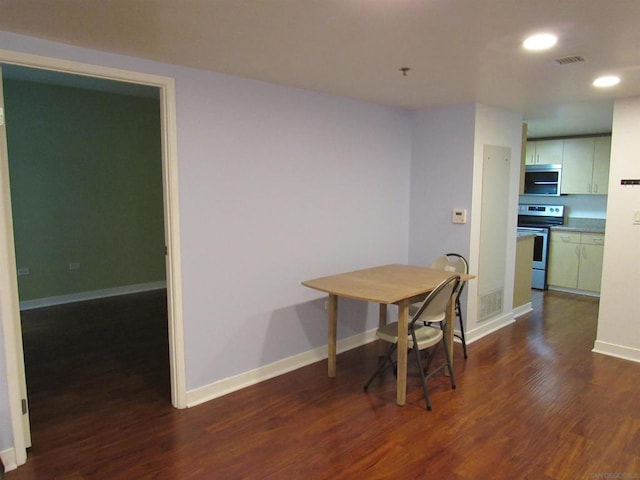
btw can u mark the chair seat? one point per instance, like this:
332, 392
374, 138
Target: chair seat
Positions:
426, 336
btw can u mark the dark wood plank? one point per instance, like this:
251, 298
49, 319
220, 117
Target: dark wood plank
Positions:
533, 402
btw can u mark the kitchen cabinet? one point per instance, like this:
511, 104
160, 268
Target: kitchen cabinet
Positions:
590, 270
585, 165
601, 161
575, 260
543, 151
522, 277
563, 259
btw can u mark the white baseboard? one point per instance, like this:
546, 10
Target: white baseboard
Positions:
489, 326
522, 309
246, 379
82, 296
8, 458
588, 293
618, 351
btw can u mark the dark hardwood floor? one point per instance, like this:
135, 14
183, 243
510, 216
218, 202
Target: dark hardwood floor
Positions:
533, 402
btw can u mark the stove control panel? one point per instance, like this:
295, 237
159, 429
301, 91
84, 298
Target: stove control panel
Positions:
541, 210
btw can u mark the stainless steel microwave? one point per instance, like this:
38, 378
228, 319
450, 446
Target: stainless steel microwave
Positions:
543, 180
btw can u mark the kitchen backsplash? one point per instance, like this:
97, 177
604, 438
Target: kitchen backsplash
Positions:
577, 206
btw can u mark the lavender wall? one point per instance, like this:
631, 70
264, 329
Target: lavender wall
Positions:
277, 185
441, 179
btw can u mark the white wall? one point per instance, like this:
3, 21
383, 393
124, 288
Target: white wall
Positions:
277, 185
6, 434
498, 127
618, 327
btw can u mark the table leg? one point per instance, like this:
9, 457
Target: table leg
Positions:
333, 328
403, 331
382, 321
448, 331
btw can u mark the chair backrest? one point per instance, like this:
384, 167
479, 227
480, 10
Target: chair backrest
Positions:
454, 263
451, 262
435, 305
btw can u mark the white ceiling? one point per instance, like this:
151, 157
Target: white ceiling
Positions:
459, 51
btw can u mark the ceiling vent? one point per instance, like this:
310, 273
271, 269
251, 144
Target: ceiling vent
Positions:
568, 60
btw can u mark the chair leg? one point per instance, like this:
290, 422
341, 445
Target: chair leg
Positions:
429, 356
382, 364
422, 377
462, 339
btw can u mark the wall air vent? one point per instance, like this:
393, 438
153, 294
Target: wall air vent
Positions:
491, 304
568, 60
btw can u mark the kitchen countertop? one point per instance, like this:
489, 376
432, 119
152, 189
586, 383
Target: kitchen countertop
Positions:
523, 235
589, 225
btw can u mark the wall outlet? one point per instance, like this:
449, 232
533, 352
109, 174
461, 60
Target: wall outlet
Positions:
74, 266
23, 271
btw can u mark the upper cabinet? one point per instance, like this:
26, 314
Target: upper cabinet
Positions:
543, 152
585, 165
601, 161
577, 165
584, 160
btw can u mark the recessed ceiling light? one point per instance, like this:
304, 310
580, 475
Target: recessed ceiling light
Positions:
606, 81
540, 41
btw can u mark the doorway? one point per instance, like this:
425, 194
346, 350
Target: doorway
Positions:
9, 301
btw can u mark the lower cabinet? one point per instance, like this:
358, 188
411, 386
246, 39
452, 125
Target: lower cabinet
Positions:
522, 278
575, 260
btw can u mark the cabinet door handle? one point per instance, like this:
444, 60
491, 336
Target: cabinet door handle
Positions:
584, 252
578, 251
589, 187
595, 188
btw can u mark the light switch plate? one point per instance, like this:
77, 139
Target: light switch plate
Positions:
636, 217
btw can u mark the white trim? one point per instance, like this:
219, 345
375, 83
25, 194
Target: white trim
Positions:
92, 295
11, 320
10, 314
522, 309
171, 189
265, 372
8, 458
588, 293
489, 326
618, 351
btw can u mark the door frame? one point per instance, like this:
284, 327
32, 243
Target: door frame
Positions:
9, 302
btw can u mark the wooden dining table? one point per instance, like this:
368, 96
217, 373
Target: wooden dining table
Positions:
396, 284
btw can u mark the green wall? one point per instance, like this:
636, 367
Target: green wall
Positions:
86, 187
